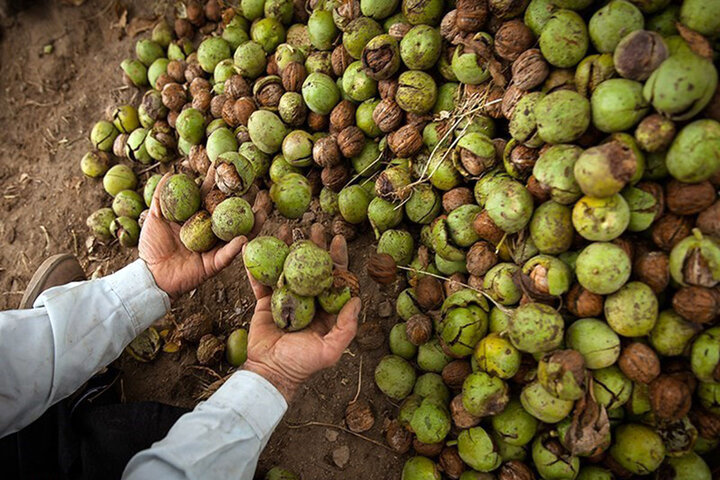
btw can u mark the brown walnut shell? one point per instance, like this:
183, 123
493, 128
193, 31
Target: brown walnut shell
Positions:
237, 87
214, 198
388, 88
359, 416
199, 160
480, 258
639, 363
202, 100
199, 84
317, 122
418, 329
583, 303
326, 152
451, 463
216, 105
341, 227
697, 304
669, 229
342, 116
653, 269
487, 229
670, 398
512, 39
340, 60
709, 220
210, 350
515, 470
406, 141
689, 198
174, 96
195, 327
382, 268
428, 449
471, 14
429, 293
460, 416
293, 76
335, 177
351, 141
397, 437
455, 373
388, 115
457, 197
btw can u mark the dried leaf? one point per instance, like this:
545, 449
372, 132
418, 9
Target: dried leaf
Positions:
139, 25
589, 430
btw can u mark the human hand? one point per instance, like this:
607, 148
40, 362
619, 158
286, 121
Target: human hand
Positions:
288, 359
176, 269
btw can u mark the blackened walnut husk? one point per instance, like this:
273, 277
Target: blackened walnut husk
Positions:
689, 198
589, 429
697, 304
639, 363
639, 54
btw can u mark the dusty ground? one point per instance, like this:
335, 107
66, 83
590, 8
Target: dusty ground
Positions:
47, 107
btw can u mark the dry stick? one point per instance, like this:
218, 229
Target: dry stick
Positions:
359, 174
295, 426
357, 394
440, 277
151, 167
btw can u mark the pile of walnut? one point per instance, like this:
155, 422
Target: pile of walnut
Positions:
544, 173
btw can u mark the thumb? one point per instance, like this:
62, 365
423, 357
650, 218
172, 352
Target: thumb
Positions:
224, 255
338, 339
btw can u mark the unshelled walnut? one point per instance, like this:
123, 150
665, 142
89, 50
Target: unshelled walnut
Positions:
429, 293
388, 88
317, 122
541, 193
457, 197
176, 70
471, 15
382, 268
451, 463
709, 220
236, 87
418, 329
397, 437
199, 160
269, 92
238, 112
487, 229
639, 363
359, 416
653, 269
213, 198
480, 258
697, 304
583, 303
512, 39
193, 71
340, 60
293, 76
515, 470
174, 96
449, 28
326, 152
669, 229
342, 116
460, 416
689, 198
406, 141
388, 115
529, 70
670, 398
351, 141
199, 84
202, 100
455, 373
216, 105
335, 177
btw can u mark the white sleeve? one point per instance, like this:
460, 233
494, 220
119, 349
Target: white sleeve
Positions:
71, 332
221, 439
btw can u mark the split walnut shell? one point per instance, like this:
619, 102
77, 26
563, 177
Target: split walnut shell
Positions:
359, 416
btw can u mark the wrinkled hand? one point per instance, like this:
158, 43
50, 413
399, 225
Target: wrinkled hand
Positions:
288, 359
176, 269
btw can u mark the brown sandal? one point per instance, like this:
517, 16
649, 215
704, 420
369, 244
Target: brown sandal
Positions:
57, 270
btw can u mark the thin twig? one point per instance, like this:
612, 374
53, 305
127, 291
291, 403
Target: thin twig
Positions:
359, 386
296, 426
151, 167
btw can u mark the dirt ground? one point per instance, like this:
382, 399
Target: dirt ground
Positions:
48, 105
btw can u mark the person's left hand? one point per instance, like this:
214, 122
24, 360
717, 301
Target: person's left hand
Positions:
288, 359
176, 269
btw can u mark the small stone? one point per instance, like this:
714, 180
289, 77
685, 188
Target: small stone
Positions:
331, 435
341, 456
384, 309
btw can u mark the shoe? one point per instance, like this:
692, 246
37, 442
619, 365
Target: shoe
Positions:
55, 271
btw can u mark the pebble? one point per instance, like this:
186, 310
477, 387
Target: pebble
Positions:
331, 435
384, 309
341, 456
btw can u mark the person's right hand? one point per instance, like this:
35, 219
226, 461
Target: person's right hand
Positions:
288, 359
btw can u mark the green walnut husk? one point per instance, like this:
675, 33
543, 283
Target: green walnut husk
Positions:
497, 356
672, 334
197, 233
291, 195
542, 405
264, 258
551, 228
536, 328
190, 125
179, 198
510, 206
236, 347
103, 135
290, 311
321, 93
135, 71
430, 422
99, 223
601, 219
126, 230
95, 164
358, 33
383, 215
462, 328
232, 218
400, 345
705, 355
499, 285
695, 260
484, 395
353, 203
632, 310
417, 92
395, 377
618, 104
595, 340
308, 269
637, 448
612, 22
128, 203
267, 131
602, 268
562, 116
478, 450
564, 39
420, 468
694, 155
119, 178
399, 244
424, 205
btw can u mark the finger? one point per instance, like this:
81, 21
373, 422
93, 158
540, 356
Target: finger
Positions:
339, 252
259, 290
262, 332
338, 339
209, 181
317, 235
155, 203
223, 256
262, 207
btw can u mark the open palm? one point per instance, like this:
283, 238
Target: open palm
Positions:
176, 269
288, 359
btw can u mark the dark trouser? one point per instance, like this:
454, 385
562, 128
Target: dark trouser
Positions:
91, 440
